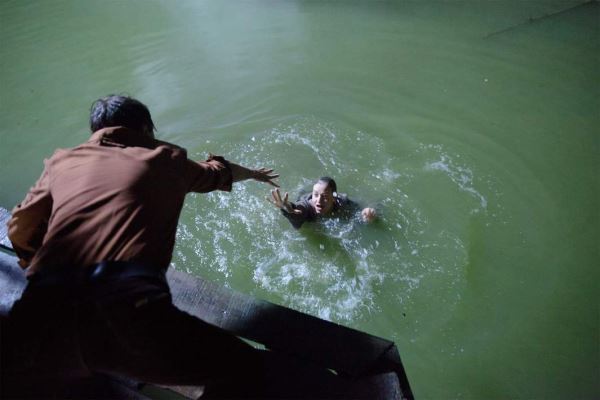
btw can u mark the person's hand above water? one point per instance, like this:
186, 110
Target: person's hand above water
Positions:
368, 214
283, 204
265, 175
241, 173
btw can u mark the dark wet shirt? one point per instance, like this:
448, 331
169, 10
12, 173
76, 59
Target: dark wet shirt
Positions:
342, 207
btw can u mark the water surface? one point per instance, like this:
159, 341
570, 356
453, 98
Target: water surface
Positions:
472, 131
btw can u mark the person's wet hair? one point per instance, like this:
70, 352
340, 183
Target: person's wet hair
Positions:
116, 110
329, 183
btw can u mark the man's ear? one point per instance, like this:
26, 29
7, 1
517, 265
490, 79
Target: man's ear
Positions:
148, 131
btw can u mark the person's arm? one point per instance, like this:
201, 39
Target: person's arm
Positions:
216, 173
241, 173
296, 219
295, 213
351, 208
29, 221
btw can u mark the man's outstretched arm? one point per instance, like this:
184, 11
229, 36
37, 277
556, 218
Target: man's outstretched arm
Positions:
295, 213
241, 173
217, 173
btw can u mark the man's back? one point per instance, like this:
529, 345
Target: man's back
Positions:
115, 197
96, 233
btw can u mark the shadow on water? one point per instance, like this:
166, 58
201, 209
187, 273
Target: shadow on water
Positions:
589, 6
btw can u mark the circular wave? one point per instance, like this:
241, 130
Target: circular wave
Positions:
337, 270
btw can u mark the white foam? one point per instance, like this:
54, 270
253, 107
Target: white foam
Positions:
334, 270
459, 174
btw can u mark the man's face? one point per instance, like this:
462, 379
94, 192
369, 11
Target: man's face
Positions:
322, 198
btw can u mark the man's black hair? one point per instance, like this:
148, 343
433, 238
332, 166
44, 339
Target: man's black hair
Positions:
329, 182
116, 110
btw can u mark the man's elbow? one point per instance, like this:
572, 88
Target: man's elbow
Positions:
22, 243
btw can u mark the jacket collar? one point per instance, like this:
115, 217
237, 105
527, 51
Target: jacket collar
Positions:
122, 137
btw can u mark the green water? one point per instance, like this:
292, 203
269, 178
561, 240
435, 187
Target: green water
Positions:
479, 150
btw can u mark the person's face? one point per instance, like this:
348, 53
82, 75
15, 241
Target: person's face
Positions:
322, 198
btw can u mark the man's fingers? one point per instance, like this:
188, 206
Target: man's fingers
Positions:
270, 200
276, 200
276, 195
368, 214
264, 174
286, 204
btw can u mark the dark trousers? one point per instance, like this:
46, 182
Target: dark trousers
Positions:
130, 327
127, 327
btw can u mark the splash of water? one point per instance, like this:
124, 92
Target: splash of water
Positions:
336, 270
461, 175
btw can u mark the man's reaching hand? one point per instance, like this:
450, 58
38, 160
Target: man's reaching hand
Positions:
283, 204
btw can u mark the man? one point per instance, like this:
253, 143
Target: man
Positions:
323, 201
96, 235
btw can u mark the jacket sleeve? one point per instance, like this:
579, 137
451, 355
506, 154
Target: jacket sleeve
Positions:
296, 219
29, 222
348, 208
209, 175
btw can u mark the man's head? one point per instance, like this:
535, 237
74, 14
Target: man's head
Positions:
323, 195
114, 110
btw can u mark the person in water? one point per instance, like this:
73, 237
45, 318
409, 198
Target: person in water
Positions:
323, 201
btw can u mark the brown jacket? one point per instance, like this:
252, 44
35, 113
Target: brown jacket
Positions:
115, 197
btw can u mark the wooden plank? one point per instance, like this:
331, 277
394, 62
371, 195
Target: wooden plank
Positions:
4, 217
345, 350
12, 282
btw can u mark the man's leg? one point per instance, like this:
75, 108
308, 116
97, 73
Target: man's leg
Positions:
146, 337
39, 350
